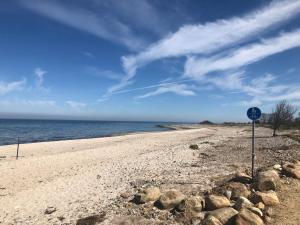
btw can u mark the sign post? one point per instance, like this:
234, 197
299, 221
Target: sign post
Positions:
253, 114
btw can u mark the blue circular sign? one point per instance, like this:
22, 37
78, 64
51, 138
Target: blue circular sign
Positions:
254, 113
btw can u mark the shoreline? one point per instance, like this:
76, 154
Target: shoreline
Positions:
172, 127
82, 177
168, 128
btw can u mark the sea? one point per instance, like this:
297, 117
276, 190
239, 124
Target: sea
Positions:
30, 131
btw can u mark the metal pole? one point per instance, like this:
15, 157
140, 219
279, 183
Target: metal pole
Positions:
253, 149
18, 149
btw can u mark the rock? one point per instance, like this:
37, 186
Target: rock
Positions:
92, 220
242, 178
291, 170
268, 180
257, 211
224, 215
193, 206
125, 195
260, 205
268, 219
170, 199
213, 202
50, 210
242, 202
246, 217
269, 211
237, 190
228, 194
277, 167
268, 198
147, 195
210, 220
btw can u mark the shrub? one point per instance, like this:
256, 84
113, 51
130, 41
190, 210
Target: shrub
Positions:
194, 147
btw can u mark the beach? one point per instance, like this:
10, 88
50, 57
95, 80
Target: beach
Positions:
79, 178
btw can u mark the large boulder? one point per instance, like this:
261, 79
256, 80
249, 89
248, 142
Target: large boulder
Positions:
291, 170
224, 215
147, 195
193, 206
237, 190
242, 178
170, 199
242, 202
246, 217
210, 220
268, 180
213, 202
269, 198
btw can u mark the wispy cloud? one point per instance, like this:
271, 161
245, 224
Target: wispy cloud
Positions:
104, 26
39, 73
243, 56
179, 89
88, 54
214, 36
75, 104
96, 72
7, 87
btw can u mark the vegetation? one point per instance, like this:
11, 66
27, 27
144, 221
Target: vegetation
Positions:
194, 147
282, 116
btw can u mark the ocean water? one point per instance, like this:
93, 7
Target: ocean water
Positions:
30, 131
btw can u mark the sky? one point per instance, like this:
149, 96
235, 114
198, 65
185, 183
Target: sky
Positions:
147, 60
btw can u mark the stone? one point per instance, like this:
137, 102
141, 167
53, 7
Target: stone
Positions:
291, 170
257, 211
246, 217
170, 199
268, 180
213, 202
193, 206
260, 205
211, 220
269, 198
237, 190
92, 220
277, 167
125, 195
228, 194
224, 215
269, 211
242, 178
50, 210
242, 202
147, 195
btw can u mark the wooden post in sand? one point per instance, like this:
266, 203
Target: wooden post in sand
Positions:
17, 156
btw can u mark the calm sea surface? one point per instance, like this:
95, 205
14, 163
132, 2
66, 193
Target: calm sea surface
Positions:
51, 130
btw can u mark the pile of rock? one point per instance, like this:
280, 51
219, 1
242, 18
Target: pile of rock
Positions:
239, 201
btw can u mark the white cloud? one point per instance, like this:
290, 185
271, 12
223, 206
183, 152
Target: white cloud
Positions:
88, 54
98, 24
213, 36
243, 56
75, 104
39, 73
96, 72
6, 88
179, 89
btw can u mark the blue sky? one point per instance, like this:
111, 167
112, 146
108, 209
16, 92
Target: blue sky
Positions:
147, 59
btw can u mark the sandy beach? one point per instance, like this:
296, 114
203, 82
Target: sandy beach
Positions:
82, 177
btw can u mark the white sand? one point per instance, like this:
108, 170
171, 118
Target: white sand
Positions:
81, 177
